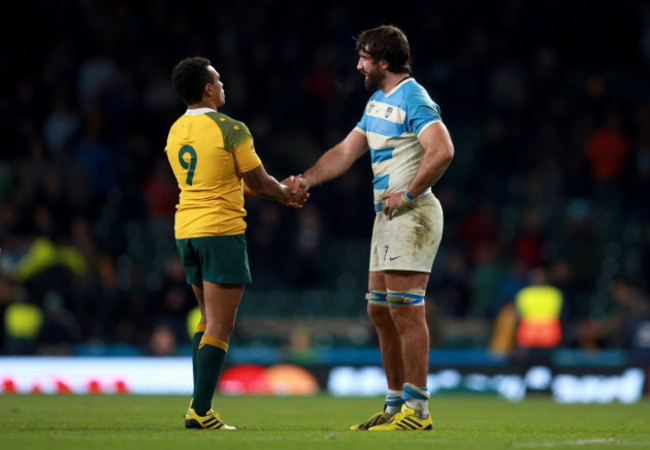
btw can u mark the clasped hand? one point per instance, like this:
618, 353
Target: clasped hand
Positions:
298, 194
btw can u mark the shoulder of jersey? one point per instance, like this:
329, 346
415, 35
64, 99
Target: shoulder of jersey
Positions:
415, 91
234, 132
227, 122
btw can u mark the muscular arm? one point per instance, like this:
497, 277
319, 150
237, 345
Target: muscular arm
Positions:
248, 192
336, 160
438, 153
260, 184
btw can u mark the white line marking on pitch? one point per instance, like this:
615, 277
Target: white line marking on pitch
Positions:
582, 442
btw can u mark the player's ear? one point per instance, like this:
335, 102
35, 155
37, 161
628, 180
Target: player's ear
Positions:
208, 90
383, 64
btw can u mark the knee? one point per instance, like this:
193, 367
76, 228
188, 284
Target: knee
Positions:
380, 315
408, 319
220, 328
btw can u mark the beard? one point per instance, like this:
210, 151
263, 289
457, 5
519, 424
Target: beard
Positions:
372, 81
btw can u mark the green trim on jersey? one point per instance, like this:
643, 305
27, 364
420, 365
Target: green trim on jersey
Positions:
234, 132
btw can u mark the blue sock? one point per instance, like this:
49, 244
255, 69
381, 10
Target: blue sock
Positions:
394, 401
417, 398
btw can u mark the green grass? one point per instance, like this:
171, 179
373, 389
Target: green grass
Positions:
322, 422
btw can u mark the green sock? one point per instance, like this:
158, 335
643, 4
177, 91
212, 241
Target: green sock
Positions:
210, 358
196, 340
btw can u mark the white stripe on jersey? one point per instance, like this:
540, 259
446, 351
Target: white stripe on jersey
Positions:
385, 111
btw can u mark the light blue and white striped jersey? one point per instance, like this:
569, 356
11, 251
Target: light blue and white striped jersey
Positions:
392, 124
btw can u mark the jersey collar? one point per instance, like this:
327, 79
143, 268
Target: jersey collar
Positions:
198, 111
405, 80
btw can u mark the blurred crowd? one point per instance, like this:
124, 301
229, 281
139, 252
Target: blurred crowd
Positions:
548, 105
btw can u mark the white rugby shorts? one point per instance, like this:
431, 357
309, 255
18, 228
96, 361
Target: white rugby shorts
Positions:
410, 240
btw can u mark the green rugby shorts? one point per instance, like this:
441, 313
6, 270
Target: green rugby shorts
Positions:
218, 259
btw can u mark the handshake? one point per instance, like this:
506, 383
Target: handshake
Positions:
298, 191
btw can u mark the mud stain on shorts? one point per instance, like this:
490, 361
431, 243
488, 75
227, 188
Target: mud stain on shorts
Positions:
423, 229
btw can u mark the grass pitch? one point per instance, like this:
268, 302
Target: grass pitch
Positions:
320, 422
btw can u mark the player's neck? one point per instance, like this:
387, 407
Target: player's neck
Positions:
393, 79
205, 103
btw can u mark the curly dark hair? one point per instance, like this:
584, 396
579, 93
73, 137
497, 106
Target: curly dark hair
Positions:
190, 77
387, 43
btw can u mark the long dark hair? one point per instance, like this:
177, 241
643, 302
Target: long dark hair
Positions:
389, 43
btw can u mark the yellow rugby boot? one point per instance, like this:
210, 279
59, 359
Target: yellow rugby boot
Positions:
405, 420
375, 419
187, 414
211, 421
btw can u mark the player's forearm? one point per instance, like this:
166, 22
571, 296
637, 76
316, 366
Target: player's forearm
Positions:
273, 190
426, 177
260, 184
337, 160
328, 167
438, 153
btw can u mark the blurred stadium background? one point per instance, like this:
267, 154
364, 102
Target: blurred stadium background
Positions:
547, 104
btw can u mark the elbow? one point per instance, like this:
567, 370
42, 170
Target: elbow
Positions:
448, 154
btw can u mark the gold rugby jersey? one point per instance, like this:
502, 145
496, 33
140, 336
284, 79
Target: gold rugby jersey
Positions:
207, 152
